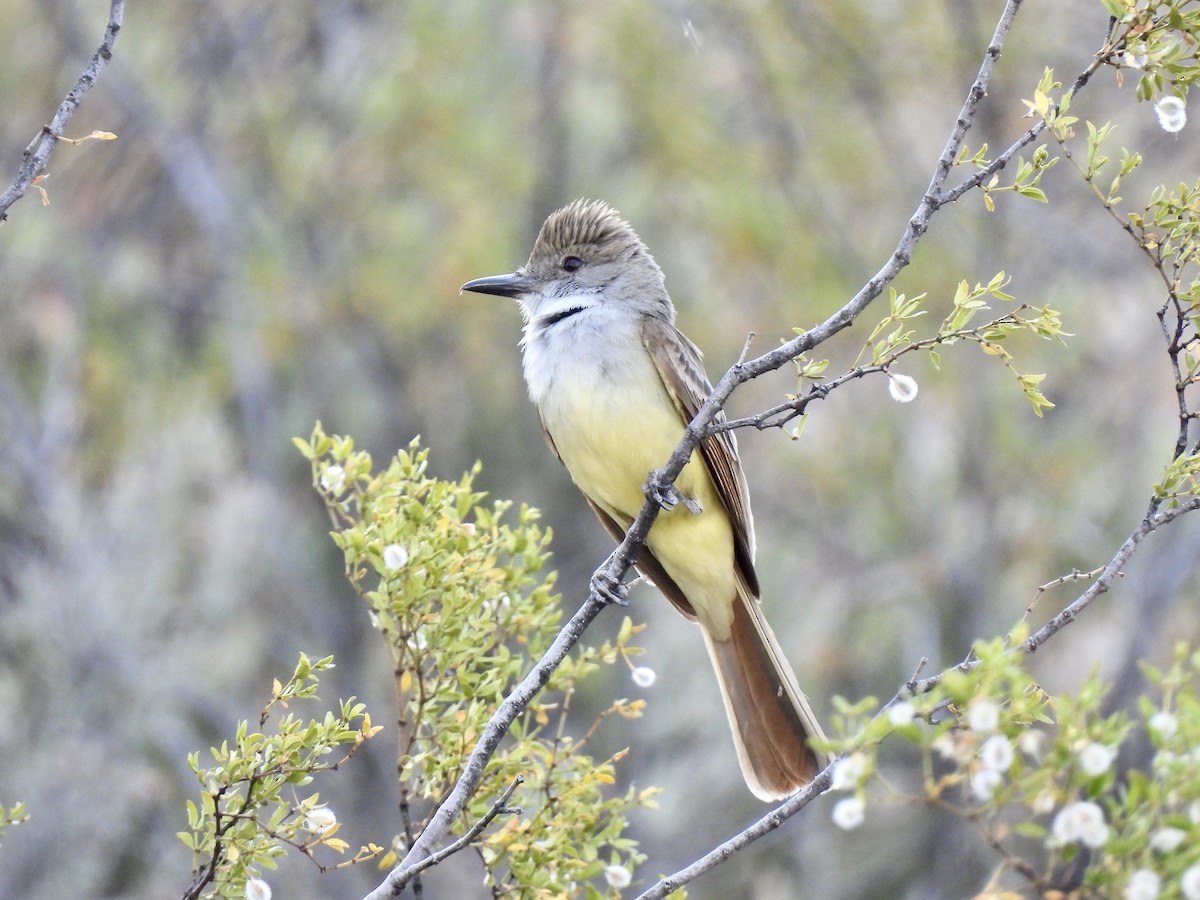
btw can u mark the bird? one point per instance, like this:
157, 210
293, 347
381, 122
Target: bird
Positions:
615, 384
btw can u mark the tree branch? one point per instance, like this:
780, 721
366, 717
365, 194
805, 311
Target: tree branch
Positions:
722, 852
1153, 520
917, 225
500, 806
37, 154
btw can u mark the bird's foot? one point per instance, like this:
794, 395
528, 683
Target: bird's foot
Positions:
609, 587
668, 496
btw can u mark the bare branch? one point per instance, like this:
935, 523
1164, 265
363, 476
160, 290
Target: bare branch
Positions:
722, 852
37, 154
1153, 520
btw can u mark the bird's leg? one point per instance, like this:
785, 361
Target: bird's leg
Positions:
608, 586
667, 495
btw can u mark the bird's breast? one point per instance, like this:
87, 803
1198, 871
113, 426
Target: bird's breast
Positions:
600, 397
604, 404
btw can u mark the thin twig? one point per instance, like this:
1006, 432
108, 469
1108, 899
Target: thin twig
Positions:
1073, 575
1113, 570
745, 349
724, 851
500, 807
37, 154
924, 661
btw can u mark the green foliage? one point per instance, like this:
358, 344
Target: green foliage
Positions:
1157, 39
1170, 229
1036, 775
1043, 321
253, 804
13, 815
1181, 479
902, 309
892, 337
462, 601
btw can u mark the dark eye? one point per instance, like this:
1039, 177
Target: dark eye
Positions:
572, 263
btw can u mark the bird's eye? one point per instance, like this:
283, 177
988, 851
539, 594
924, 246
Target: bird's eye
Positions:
572, 263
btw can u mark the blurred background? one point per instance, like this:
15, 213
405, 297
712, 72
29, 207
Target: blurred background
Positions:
278, 236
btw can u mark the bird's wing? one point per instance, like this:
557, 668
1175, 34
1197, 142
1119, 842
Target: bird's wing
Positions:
681, 368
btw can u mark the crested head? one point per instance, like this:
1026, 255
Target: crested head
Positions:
585, 224
585, 256
587, 248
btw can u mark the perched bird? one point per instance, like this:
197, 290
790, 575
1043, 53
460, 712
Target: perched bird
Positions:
615, 383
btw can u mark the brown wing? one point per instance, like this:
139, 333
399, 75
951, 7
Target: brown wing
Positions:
681, 368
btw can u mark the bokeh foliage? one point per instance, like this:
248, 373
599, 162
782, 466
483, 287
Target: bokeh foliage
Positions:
459, 596
296, 192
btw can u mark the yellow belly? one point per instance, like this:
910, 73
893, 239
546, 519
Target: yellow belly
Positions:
610, 435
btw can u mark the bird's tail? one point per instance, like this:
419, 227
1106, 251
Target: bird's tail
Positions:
770, 717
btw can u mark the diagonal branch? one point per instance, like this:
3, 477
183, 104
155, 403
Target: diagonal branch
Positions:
722, 852
37, 154
499, 807
1153, 520
620, 561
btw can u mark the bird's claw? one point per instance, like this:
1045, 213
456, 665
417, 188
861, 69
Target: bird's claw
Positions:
609, 588
668, 496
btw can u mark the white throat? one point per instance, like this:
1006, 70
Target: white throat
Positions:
574, 339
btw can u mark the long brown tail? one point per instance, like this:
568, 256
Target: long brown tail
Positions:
770, 718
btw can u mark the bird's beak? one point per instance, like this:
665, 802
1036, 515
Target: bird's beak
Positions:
513, 285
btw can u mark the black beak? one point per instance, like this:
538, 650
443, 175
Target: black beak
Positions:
513, 285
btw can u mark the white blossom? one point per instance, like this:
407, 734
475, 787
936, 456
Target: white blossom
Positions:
1080, 821
848, 772
901, 713
1164, 725
1030, 742
395, 557
948, 747
1164, 840
1095, 759
643, 676
1190, 883
996, 754
333, 479
983, 716
320, 820
903, 388
1164, 761
1043, 803
1172, 114
618, 877
849, 813
984, 783
257, 889
1095, 833
1142, 885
